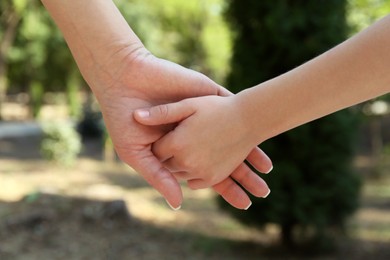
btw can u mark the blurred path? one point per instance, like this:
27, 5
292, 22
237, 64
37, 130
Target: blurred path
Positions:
19, 129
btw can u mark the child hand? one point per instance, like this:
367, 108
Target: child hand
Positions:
209, 144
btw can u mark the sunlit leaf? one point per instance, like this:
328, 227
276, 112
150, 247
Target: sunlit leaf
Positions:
20, 5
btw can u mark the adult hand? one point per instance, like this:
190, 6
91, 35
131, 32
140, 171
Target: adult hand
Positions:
123, 77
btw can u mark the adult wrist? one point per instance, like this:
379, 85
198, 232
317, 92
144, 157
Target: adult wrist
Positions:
120, 60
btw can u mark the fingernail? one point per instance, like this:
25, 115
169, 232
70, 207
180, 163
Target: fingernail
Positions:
143, 113
172, 207
266, 195
272, 167
250, 204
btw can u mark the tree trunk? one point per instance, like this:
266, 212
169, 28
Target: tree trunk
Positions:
11, 21
376, 145
287, 235
3, 86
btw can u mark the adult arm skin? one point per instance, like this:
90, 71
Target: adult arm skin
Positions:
124, 76
216, 133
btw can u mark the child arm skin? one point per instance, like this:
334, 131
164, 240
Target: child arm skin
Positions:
124, 76
215, 133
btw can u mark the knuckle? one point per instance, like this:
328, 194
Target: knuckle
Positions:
187, 164
212, 179
161, 111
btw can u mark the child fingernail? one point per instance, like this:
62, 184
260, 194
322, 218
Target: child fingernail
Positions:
172, 207
250, 204
266, 195
143, 113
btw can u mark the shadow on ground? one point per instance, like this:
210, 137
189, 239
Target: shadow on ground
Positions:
47, 226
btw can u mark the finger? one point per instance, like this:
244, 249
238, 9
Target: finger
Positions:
224, 92
182, 176
233, 194
250, 181
228, 189
163, 150
160, 178
260, 160
170, 163
197, 184
164, 114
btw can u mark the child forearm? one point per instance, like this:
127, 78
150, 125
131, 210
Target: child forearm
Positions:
353, 72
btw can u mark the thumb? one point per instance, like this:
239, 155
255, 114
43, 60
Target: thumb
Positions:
164, 114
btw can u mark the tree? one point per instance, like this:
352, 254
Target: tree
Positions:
313, 185
34, 57
39, 60
191, 33
10, 16
363, 13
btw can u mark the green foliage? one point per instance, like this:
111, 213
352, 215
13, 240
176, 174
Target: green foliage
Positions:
61, 144
313, 186
363, 13
36, 98
72, 91
191, 33
39, 53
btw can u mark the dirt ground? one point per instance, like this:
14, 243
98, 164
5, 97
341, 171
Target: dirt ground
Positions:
99, 210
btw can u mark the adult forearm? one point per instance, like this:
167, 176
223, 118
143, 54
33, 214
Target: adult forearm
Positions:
94, 30
352, 72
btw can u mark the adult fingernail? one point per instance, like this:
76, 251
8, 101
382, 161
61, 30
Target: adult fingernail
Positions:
266, 195
143, 113
250, 204
172, 207
272, 167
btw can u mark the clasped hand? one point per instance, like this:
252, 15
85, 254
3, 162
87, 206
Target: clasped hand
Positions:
208, 147
136, 79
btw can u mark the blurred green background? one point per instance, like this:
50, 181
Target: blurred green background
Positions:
64, 194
